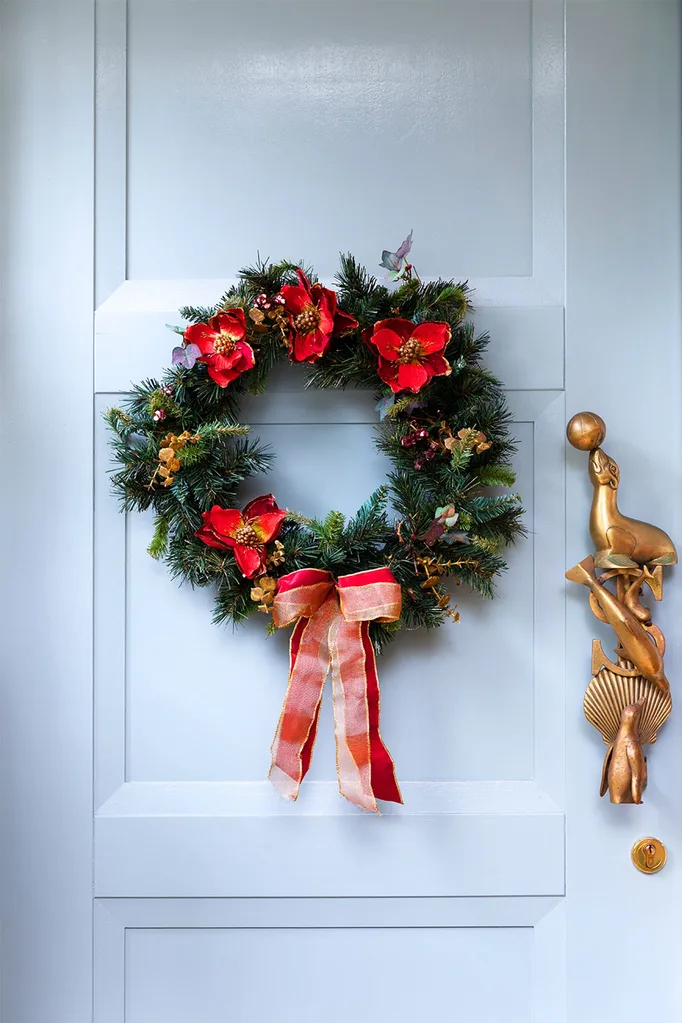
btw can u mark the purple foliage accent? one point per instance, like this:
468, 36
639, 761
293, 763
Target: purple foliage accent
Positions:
186, 356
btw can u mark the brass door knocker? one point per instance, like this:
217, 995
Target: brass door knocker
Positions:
628, 699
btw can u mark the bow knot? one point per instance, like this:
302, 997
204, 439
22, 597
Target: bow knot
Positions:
332, 630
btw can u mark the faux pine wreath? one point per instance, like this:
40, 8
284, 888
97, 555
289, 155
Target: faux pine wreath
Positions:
442, 421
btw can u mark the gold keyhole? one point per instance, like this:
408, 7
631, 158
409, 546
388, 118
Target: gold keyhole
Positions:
649, 855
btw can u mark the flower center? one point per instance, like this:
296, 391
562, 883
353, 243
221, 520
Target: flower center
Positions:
224, 343
410, 350
245, 536
308, 320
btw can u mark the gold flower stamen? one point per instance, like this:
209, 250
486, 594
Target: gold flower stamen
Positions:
308, 320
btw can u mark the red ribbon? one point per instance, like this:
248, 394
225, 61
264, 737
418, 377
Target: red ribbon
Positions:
332, 630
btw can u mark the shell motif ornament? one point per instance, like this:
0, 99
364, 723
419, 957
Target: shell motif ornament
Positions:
628, 710
607, 696
628, 699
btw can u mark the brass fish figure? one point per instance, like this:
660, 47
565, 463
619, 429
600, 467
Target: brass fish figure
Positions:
635, 642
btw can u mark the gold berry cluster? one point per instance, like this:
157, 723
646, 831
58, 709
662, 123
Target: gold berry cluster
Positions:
467, 439
263, 593
434, 569
427, 447
276, 556
270, 312
168, 460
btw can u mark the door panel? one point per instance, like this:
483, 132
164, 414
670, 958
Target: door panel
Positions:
177, 960
360, 88
182, 754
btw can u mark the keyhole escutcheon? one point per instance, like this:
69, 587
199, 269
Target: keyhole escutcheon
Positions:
649, 855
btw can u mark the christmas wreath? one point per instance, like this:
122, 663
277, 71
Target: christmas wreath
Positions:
349, 585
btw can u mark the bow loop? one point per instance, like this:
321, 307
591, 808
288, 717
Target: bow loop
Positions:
370, 596
300, 595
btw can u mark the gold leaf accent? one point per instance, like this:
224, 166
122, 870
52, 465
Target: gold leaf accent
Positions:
264, 591
276, 557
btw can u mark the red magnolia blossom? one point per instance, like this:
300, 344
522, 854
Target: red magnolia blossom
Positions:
409, 355
246, 533
223, 346
313, 319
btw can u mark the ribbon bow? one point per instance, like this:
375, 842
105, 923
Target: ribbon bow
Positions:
332, 630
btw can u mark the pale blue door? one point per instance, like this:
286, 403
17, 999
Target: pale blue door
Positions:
151, 874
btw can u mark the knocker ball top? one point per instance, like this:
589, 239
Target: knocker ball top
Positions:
586, 431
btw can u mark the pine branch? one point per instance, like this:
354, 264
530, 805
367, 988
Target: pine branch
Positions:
159, 544
354, 281
269, 353
486, 509
198, 313
496, 476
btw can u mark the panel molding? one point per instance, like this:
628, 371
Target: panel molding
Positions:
133, 342
330, 856
247, 798
111, 145
325, 913
544, 287
114, 918
544, 409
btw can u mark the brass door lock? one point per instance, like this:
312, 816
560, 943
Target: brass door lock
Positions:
649, 855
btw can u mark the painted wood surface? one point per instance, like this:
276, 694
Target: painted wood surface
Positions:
149, 872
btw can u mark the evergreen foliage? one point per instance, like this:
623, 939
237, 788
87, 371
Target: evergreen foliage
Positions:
464, 415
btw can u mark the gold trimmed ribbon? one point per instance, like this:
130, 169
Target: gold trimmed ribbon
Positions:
332, 631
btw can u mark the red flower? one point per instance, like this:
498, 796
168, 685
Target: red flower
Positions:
223, 346
313, 319
410, 355
246, 533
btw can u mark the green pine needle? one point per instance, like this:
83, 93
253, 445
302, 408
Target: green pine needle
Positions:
159, 543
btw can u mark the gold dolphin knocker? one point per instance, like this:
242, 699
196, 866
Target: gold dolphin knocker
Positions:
628, 699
